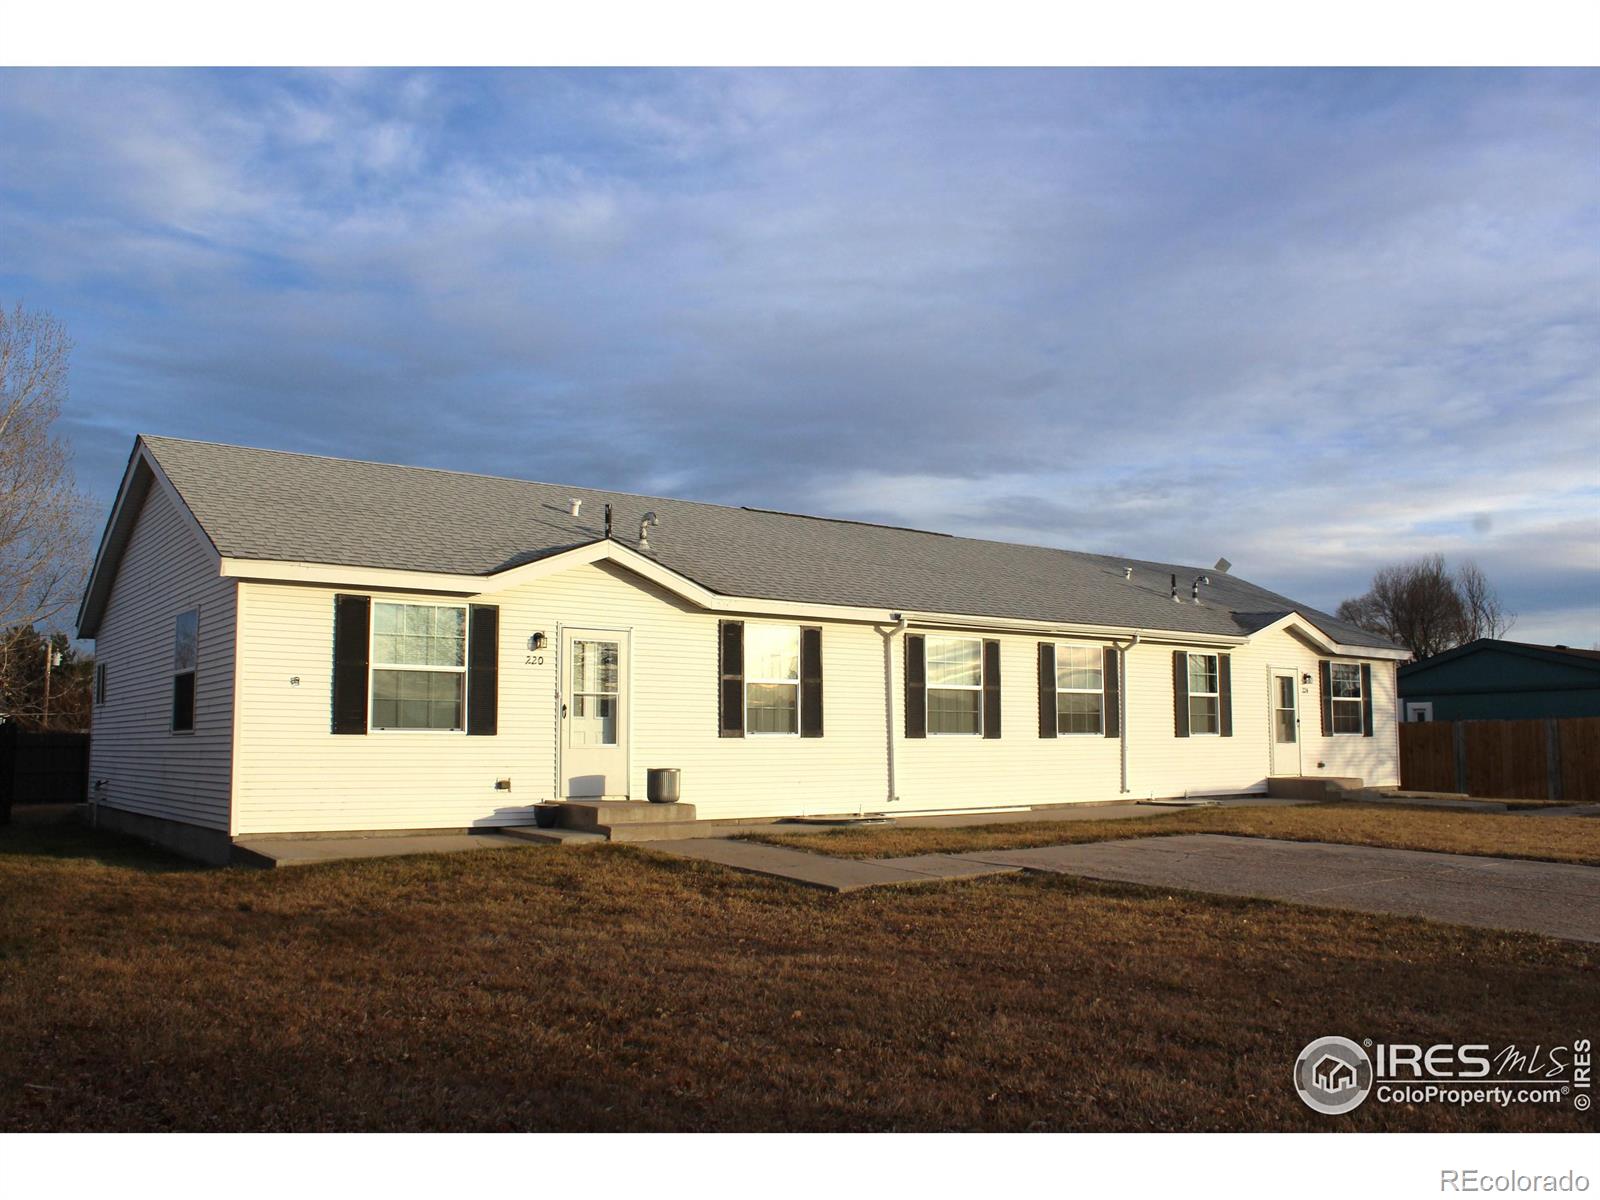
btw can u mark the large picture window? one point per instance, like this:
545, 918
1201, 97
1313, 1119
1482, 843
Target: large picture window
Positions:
955, 686
1080, 689
419, 665
772, 679
1205, 705
1347, 698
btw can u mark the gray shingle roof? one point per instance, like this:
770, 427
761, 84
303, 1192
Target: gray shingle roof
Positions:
267, 504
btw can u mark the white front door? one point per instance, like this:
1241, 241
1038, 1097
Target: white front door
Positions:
594, 713
1285, 723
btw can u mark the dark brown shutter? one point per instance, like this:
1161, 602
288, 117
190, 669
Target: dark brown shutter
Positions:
1366, 699
1325, 671
1113, 692
1225, 694
351, 615
483, 670
1047, 690
916, 686
730, 669
991, 689
1180, 693
810, 681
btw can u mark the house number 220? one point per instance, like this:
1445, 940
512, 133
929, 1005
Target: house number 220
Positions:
534, 660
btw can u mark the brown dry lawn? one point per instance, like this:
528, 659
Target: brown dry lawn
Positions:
608, 988
1555, 839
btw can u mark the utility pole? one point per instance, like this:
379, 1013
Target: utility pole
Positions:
52, 658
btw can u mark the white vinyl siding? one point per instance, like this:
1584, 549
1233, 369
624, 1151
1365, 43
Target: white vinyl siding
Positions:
166, 569
293, 775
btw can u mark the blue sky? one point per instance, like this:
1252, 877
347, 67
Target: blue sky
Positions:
1312, 321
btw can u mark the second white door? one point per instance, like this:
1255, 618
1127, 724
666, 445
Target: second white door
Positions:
1285, 723
594, 714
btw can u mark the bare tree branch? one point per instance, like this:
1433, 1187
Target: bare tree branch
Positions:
1427, 609
1486, 617
43, 544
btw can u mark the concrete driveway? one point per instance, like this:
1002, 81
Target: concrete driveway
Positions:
1556, 899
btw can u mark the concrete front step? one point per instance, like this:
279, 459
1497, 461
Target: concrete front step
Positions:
1313, 787
608, 816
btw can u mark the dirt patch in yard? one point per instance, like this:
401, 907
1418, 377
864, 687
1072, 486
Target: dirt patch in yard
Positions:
1555, 839
609, 988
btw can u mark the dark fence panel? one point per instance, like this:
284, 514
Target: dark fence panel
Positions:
1580, 759
1511, 760
1427, 757
42, 768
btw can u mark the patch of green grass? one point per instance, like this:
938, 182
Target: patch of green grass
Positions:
604, 987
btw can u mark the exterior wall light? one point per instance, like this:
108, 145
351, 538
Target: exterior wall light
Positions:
536, 642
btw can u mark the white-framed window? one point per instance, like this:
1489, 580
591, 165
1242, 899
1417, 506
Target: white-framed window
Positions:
1205, 703
185, 662
419, 666
772, 679
1080, 689
1347, 699
955, 686
596, 685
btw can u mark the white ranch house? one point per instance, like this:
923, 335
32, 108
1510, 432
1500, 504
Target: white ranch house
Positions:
289, 644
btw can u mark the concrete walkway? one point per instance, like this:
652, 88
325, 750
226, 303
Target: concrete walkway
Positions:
1555, 899
822, 871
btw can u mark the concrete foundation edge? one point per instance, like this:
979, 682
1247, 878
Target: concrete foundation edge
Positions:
211, 846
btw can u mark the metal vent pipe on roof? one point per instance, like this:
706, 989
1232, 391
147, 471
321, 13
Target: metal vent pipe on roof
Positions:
574, 506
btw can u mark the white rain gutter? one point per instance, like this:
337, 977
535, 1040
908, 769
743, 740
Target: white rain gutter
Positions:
1122, 701
899, 626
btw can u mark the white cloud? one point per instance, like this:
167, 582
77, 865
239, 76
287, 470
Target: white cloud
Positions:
1312, 322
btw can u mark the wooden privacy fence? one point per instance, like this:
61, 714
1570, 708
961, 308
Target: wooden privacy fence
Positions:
1551, 759
42, 768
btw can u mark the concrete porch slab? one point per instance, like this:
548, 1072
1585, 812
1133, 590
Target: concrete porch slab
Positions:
271, 852
1555, 899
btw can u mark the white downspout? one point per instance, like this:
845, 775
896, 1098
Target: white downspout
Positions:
1122, 703
899, 626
